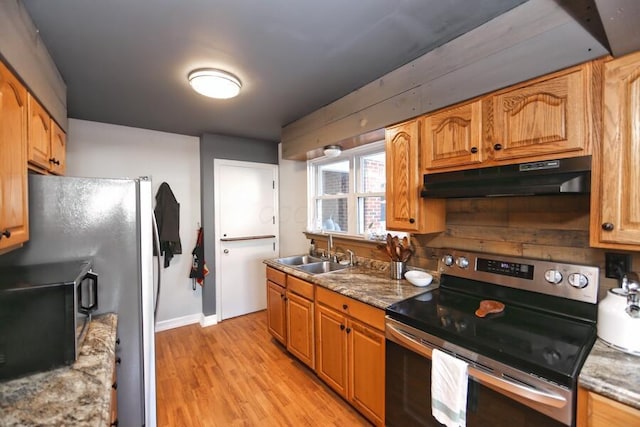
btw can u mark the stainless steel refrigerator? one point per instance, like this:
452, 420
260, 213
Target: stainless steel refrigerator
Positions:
109, 221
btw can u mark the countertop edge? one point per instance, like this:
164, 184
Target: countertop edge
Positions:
612, 374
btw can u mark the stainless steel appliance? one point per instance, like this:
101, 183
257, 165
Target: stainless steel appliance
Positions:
559, 176
523, 362
109, 221
44, 313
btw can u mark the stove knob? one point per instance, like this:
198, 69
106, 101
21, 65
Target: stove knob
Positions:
553, 276
445, 321
578, 280
462, 262
447, 260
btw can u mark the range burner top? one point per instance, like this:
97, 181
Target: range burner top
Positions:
546, 328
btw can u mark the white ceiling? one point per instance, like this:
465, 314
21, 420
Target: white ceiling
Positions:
126, 61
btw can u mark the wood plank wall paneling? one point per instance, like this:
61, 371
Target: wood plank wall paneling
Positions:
544, 227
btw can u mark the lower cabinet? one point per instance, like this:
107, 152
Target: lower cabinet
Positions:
276, 309
595, 410
340, 338
300, 325
350, 351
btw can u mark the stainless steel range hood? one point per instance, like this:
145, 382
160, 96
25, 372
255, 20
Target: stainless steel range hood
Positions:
562, 176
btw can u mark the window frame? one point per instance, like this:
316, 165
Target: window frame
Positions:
353, 157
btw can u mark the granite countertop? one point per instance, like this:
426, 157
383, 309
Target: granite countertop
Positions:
75, 395
612, 373
369, 281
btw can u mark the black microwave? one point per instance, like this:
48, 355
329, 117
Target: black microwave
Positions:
45, 311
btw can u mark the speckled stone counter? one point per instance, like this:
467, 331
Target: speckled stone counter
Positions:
76, 395
369, 281
613, 374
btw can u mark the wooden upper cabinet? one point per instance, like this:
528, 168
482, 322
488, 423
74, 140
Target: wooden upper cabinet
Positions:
14, 212
406, 211
57, 164
545, 116
616, 175
39, 134
453, 137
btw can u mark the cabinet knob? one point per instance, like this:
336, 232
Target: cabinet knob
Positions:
118, 341
474, 150
607, 226
345, 306
114, 386
54, 161
497, 147
348, 330
115, 423
6, 233
118, 360
342, 327
412, 220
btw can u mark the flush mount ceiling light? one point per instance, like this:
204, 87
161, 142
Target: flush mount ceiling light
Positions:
214, 83
332, 150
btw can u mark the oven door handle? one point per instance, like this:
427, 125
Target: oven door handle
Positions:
499, 384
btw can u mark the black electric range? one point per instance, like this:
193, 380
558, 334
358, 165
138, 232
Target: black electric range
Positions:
540, 339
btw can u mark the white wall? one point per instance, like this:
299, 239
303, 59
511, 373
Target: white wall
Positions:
293, 206
110, 151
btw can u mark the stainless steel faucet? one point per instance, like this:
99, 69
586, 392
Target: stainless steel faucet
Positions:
352, 257
329, 247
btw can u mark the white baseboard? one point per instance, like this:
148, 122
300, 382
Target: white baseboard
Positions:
208, 320
178, 321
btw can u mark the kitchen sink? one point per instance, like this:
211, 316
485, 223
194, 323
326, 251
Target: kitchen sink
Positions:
299, 260
322, 267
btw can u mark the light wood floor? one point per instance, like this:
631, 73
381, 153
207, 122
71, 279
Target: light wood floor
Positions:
235, 374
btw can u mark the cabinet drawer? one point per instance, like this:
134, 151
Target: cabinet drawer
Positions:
300, 287
356, 309
277, 276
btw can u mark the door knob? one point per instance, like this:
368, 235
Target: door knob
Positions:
226, 251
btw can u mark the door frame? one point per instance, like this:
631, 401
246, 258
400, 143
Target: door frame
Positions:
217, 163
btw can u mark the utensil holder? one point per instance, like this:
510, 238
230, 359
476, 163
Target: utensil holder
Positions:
398, 269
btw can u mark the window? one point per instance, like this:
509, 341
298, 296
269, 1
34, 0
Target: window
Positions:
347, 193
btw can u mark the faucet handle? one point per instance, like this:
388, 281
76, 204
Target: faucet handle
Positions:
352, 257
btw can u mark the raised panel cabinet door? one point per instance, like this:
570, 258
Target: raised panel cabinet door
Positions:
331, 348
58, 157
403, 176
14, 209
620, 158
300, 340
276, 312
452, 137
367, 370
595, 410
546, 117
39, 136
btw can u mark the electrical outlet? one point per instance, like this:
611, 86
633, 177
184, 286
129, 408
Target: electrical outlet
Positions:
615, 265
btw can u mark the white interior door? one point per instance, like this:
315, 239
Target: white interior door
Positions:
246, 233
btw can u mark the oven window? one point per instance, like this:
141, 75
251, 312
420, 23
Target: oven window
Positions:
408, 397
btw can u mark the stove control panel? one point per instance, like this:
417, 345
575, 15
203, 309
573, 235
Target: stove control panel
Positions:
573, 281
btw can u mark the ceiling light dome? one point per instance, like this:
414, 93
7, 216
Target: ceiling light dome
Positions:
332, 150
214, 83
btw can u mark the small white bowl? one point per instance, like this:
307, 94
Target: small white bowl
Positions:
418, 278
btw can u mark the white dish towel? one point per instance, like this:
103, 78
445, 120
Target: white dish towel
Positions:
449, 380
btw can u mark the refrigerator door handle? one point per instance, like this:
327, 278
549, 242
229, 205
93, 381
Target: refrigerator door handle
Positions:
156, 243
